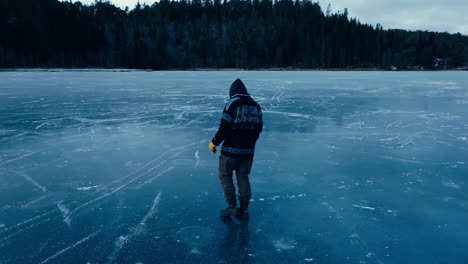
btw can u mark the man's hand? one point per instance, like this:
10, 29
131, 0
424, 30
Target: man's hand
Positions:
212, 147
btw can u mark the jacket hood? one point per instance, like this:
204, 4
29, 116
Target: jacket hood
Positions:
237, 87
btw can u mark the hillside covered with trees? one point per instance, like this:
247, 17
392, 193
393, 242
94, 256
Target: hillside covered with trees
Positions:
249, 34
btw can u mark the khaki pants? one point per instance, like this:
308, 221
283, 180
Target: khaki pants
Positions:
242, 167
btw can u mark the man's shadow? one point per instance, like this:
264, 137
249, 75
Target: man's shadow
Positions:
235, 246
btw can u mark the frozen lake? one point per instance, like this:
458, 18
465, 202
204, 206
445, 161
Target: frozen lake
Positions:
352, 167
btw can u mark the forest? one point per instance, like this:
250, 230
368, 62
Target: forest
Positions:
212, 34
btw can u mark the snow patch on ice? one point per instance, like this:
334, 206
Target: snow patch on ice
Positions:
195, 251
440, 83
197, 158
283, 244
195, 237
81, 150
451, 184
87, 188
289, 196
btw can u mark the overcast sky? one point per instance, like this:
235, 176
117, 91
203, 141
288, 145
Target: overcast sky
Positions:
433, 15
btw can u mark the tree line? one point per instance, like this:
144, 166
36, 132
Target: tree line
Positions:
248, 34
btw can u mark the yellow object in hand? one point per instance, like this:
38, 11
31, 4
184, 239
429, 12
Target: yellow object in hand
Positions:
212, 147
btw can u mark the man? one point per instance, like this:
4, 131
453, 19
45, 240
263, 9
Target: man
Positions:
240, 128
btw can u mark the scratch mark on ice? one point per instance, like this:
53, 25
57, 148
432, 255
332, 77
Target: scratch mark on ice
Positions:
27, 221
153, 178
19, 158
5, 241
153, 161
26, 205
70, 247
364, 207
41, 125
121, 241
65, 211
30, 180
68, 218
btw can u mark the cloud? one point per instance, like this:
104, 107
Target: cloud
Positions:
433, 15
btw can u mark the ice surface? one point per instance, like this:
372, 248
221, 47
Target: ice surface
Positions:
352, 167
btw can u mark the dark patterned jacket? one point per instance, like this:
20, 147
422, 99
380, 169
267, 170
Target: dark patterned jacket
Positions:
241, 124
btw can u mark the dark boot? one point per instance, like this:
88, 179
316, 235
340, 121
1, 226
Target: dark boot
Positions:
243, 209
231, 210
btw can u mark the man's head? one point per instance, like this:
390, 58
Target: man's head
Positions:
237, 87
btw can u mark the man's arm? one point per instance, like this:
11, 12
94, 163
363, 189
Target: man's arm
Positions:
225, 127
260, 127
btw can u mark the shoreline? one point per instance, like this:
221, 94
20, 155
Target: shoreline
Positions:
290, 69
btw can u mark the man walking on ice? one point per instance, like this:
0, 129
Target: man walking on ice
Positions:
241, 125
